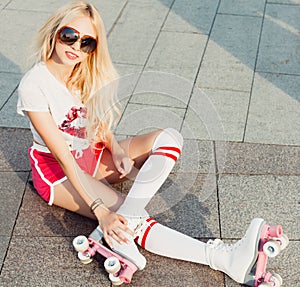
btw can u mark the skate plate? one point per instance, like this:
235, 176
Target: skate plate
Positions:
271, 242
119, 268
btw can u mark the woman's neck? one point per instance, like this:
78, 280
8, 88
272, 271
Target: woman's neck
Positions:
60, 71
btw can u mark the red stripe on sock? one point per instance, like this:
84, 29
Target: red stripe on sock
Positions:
165, 154
143, 243
170, 148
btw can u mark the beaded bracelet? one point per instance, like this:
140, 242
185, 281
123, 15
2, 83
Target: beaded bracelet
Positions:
97, 202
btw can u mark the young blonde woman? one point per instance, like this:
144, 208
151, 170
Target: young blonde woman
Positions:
75, 153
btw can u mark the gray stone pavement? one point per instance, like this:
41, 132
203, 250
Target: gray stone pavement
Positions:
223, 72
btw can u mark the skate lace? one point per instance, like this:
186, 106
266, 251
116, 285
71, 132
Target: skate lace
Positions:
142, 226
137, 224
218, 244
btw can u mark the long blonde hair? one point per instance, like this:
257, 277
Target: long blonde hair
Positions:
95, 77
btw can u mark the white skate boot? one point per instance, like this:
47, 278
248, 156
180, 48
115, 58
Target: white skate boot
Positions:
238, 260
129, 251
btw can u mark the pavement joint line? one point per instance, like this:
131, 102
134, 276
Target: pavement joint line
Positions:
253, 73
9, 72
183, 32
14, 225
7, 4
239, 15
284, 4
217, 179
128, 64
7, 100
277, 73
146, 61
199, 66
26, 10
117, 19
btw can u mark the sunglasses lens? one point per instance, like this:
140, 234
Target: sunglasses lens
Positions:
88, 45
68, 36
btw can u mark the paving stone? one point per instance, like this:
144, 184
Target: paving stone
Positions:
162, 89
191, 16
230, 56
135, 32
16, 58
250, 8
128, 78
167, 55
193, 201
48, 261
289, 84
138, 119
196, 157
202, 120
9, 116
8, 83
274, 198
231, 108
37, 218
186, 203
285, 264
245, 158
14, 144
275, 123
281, 36
12, 187
109, 10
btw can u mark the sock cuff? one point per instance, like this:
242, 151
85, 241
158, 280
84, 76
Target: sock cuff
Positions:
171, 152
144, 230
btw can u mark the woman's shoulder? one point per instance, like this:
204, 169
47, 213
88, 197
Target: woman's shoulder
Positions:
34, 76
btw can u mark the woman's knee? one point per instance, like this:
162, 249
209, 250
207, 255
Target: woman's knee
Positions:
168, 137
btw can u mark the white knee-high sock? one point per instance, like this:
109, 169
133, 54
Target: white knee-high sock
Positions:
165, 241
165, 152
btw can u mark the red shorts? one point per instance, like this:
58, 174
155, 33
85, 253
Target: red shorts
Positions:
47, 172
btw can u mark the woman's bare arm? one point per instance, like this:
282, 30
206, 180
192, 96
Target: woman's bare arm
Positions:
47, 129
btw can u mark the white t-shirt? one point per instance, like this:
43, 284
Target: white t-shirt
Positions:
40, 91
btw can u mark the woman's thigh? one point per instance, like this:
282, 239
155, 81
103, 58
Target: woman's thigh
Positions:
138, 148
67, 197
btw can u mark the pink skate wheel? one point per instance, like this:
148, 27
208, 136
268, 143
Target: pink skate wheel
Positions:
275, 231
125, 275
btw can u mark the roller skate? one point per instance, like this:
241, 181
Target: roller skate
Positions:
120, 267
246, 260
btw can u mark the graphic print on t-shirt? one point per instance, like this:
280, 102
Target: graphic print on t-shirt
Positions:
74, 123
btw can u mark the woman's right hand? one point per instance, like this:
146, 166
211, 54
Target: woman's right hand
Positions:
113, 225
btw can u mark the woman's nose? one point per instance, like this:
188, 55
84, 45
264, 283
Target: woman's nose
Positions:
76, 45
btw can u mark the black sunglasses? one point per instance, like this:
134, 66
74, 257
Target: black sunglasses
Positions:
69, 36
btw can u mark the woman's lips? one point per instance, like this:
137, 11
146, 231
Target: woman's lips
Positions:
71, 55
